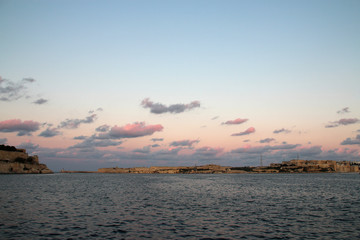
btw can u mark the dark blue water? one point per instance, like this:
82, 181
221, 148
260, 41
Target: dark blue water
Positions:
230, 206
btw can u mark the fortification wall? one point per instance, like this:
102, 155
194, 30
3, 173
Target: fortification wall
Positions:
346, 167
14, 160
12, 156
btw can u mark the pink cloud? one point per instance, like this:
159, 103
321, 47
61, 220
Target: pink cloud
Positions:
235, 121
347, 151
137, 129
246, 132
22, 127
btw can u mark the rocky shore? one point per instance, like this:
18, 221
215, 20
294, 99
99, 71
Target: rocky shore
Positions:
293, 166
13, 160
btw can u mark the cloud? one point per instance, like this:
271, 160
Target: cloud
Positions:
3, 140
134, 130
143, 150
343, 154
40, 101
347, 121
235, 121
208, 152
214, 118
309, 151
103, 128
93, 141
97, 110
264, 149
50, 132
79, 137
157, 139
75, 123
22, 127
246, 132
28, 79
29, 146
167, 152
331, 125
343, 121
284, 146
11, 91
184, 143
350, 141
159, 108
344, 110
278, 153
282, 130
267, 140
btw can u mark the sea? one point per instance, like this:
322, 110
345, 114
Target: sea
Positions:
175, 206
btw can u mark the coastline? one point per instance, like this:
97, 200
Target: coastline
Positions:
293, 166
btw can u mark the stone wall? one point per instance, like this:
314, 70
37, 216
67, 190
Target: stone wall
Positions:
346, 167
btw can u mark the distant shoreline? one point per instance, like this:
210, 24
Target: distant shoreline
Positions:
293, 166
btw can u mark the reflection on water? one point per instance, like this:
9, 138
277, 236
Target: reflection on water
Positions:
230, 206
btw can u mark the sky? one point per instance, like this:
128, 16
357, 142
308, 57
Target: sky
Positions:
90, 84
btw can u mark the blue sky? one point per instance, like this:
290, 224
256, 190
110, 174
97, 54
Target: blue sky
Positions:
289, 65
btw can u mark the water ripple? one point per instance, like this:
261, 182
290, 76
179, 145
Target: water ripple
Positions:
116, 206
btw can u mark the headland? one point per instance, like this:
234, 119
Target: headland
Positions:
13, 160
